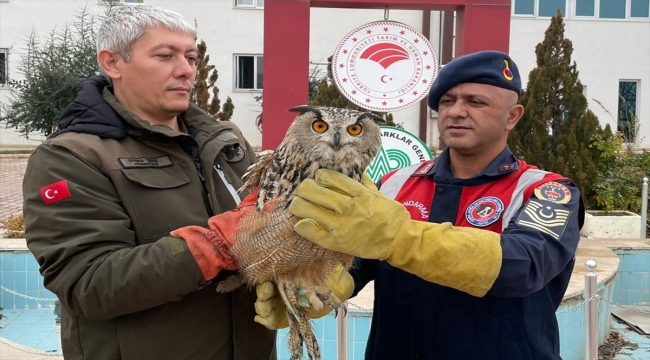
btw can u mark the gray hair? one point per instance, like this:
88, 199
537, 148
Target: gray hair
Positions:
126, 24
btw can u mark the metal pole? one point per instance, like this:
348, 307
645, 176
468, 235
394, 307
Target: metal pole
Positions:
342, 332
644, 209
591, 311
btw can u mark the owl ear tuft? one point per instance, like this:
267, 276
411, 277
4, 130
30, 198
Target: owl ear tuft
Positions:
304, 108
377, 119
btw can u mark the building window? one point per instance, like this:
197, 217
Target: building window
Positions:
4, 67
542, 8
548, 8
249, 3
612, 9
605, 9
627, 104
524, 7
585, 7
249, 72
640, 8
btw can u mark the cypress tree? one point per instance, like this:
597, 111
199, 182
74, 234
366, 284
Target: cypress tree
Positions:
206, 92
557, 130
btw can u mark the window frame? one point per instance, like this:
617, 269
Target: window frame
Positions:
533, 15
255, 72
574, 9
6, 52
255, 5
636, 108
564, 13
628, 12
567, 7
571, 8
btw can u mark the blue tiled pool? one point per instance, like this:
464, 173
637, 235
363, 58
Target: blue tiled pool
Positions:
35, 328
30, 320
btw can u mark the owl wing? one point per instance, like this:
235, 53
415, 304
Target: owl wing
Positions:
256, 172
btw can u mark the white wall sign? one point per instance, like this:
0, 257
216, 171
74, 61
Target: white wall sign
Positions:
384, 66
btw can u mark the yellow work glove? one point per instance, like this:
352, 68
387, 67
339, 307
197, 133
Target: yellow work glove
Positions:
341, 214
271, 310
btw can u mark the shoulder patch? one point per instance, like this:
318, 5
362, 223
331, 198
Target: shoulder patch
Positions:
545, 216
424, 168
55, 192
233, 153
507, 167
554, 192
484, 211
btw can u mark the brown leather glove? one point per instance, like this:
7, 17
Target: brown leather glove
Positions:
210, 246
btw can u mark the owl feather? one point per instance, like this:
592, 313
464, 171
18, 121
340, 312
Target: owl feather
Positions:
266, 246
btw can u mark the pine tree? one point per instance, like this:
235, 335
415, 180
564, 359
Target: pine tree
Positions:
206, 92
557, 130
328, 94
53, 72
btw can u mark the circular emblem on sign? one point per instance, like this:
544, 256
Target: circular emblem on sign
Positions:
384, 66
484, 211
553, 191
399, 148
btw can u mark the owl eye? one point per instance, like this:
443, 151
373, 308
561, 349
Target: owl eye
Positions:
319, 126
355, 129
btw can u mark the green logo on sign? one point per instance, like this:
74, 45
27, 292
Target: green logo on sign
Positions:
399, 149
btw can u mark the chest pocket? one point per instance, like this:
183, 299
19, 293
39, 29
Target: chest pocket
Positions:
161, 199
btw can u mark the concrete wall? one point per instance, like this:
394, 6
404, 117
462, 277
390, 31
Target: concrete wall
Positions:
605, 51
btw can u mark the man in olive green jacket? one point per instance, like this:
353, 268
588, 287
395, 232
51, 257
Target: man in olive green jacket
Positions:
131, 163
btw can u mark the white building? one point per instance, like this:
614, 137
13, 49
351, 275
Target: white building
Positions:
611, 41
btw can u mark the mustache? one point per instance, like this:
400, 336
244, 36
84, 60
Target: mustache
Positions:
457, 123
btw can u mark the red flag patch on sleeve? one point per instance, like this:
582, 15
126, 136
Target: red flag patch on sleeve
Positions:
55, 192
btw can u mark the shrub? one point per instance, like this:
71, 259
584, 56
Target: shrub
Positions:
14, 227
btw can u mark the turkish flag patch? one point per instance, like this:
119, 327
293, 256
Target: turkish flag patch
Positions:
55, 192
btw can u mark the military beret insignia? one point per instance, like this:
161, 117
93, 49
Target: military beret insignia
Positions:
507, 73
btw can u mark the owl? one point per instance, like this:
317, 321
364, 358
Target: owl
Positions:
266, 247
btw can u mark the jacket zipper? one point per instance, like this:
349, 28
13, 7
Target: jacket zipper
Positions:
207, 199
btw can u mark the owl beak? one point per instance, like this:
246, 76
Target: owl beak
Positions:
337, 141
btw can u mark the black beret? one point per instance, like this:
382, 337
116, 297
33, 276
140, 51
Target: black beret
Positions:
484, 67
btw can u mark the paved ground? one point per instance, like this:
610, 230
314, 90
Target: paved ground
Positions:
12, 169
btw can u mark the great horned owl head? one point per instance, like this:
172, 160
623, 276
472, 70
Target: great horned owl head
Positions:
336, 138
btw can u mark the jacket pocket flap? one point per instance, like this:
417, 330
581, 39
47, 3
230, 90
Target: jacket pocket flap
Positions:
157, 178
